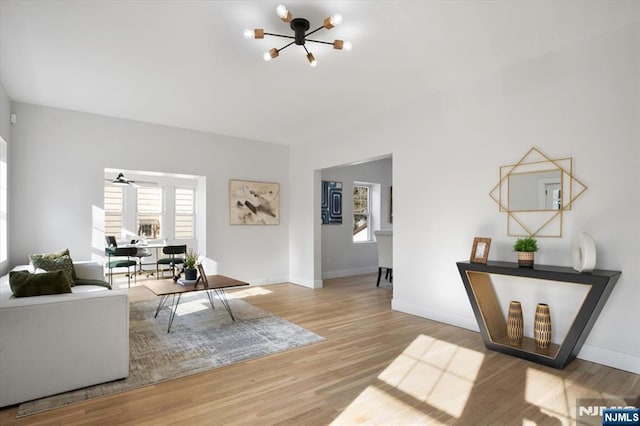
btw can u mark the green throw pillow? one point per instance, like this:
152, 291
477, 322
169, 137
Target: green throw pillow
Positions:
63, 263
33, 258
24, 284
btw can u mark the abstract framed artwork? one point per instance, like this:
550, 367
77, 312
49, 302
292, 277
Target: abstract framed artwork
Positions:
331, 203
254, 203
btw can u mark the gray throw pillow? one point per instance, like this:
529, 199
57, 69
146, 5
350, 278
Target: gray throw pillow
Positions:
24, 284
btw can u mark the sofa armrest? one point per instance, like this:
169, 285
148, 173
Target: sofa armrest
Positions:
89, 270
54, 344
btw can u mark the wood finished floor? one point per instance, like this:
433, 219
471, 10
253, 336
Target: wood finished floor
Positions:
377, 366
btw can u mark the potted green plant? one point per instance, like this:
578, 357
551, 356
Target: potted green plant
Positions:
525, 247
190, 262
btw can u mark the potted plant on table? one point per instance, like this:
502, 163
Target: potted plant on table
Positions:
190, 262
525, 247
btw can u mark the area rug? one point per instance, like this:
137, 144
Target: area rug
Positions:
201, 339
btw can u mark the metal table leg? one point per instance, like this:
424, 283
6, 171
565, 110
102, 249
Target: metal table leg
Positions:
225, 302
210, 296
163, 300
174, 306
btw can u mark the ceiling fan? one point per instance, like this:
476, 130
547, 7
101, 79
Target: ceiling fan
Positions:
121, 180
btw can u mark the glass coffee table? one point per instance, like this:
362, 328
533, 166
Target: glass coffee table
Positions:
213, 285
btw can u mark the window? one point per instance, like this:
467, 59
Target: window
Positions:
149, 212
154, 206
361, 212
3, 201
113, 208
184, 214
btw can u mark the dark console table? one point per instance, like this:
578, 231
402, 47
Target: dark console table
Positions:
491, 319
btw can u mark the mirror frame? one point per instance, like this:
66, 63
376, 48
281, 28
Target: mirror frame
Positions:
537, 223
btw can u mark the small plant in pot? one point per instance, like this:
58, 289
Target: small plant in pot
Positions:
525, 247
190, 262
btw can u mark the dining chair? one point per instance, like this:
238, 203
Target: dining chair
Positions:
385, 254
172, 260
121, 252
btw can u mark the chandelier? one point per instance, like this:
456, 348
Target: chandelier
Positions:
300, 26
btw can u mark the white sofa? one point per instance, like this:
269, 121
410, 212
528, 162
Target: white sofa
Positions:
55, 343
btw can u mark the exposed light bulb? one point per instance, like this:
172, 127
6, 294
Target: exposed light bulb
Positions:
347, 46
247, 33
282, 11
271, 54
311, 59
336, 19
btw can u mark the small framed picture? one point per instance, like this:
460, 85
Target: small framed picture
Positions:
480, 250
203, 276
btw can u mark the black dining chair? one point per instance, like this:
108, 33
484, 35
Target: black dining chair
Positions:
121, 252
172, 260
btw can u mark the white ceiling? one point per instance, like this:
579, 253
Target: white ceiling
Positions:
186, 64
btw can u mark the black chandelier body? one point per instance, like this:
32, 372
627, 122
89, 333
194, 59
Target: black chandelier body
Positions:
300, 26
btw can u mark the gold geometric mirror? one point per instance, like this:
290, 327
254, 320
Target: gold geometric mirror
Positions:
534, 192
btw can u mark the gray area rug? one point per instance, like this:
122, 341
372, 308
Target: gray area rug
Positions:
201, 339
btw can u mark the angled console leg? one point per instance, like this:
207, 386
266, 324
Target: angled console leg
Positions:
379, 276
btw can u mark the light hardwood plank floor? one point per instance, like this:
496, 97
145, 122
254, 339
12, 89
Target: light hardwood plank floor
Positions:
376, 366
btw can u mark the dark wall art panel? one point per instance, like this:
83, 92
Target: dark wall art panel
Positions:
331, 203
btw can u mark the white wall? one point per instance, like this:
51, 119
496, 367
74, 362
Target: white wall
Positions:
581, 101
5, 133
58, 159
340, 255
5, 112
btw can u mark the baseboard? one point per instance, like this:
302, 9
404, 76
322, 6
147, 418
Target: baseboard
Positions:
619, 360
268, 280
440, 316
349, 272
305, 282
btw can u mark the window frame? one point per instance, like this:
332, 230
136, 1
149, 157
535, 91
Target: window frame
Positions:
108, 212
176, 214
160, 213
368, 213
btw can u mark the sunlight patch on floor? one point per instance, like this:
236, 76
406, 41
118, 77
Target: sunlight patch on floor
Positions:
432, 372
374, 407
436, 372
549, 393
185, 308
248, 292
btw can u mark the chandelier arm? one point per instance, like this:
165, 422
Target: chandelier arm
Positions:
279, 35
316, 30
320, 41
284, 47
